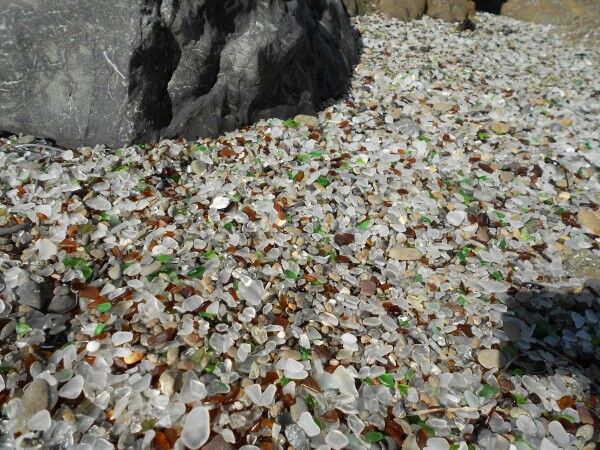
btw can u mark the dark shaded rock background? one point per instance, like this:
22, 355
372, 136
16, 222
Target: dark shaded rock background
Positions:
125, 71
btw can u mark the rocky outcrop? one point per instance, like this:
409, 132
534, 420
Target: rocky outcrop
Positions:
125, 71
449, 10
358, 7
541, 11
548, 11
403, 9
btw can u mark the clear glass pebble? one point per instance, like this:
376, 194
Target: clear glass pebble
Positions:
196, 429
308, 424
40, 421
121, 337
336, 439
72, 388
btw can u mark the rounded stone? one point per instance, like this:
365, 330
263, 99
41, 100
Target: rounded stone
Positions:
491, 358
306, 120
500, 128
402, 253
589, 220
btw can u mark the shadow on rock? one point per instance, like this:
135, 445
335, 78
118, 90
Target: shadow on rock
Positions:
490, 6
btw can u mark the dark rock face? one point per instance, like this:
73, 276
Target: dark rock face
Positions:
123, 71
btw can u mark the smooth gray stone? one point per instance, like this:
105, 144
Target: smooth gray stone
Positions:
118, 72
61, 304
36, 295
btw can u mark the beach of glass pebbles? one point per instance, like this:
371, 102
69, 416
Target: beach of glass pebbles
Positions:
417, 267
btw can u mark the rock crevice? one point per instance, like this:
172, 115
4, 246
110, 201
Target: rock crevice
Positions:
151, 67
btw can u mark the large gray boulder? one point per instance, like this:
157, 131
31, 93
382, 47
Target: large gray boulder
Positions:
117, 72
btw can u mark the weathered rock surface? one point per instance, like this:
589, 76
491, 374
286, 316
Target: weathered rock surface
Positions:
357, 7
568, 12
449, 10
117, 72
403, 9
546, 11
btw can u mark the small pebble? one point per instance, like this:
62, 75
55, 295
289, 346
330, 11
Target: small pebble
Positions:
40, 421
72, 388
99, 203
336, 439
490, 358
500, 128
405, 253
309, 121
121, 337
308, 424
196, 429
220, 203
46, 249
455, 218
589, 220
585, 432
